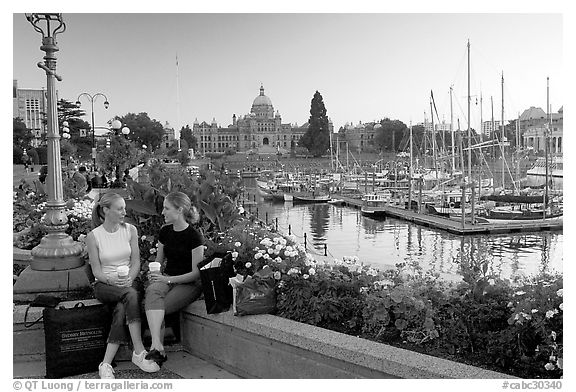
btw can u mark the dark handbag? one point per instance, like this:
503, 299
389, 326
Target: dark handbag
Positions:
214, 274
256, 294
41, 301
75, 338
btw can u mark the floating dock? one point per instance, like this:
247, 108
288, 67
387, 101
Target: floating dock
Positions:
455, 226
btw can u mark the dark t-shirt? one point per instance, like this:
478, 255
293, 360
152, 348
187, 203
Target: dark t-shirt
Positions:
178, 247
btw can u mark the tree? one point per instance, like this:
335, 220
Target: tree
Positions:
143, 130
21, 136
68, 111
389, 135
186, 134
317, 137
121, 154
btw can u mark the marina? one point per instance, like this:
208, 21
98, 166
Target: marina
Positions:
456, 227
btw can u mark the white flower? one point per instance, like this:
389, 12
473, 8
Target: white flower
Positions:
152, 250
491, 282
371, 272
553, 335
549, 366
305, 276
561, 306
560, 292
289, 248
293, 271
248, 264
278, 260
270, 251
363, 290
234, 255
237, 244
551, 313
520, 293
257, 256
266, 256
81, 237
312, 271
534, 310
277, 275
241, 210
278, 247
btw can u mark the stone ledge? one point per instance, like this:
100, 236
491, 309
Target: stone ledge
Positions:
286, 344
21, 256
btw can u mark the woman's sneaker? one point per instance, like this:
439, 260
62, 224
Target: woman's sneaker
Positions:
143, 363
105, 370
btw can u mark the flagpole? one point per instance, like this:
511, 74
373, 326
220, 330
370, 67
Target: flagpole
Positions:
178, 127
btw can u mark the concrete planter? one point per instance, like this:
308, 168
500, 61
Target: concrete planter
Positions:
267, 346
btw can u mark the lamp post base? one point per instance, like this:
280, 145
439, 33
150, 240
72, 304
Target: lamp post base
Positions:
57, 251
66, 284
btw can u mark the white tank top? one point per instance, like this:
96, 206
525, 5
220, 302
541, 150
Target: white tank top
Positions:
113, 248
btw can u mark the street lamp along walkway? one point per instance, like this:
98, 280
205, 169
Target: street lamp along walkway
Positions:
56, 266
92, 98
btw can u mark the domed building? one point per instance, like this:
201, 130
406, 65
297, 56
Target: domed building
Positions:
260, 131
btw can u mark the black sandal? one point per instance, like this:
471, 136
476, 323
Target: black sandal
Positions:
157, 356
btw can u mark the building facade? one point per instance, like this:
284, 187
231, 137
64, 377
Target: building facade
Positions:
534, 135
30, 105
260, 131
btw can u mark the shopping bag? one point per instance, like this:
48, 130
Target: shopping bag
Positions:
75, 338
256, 294
214, 274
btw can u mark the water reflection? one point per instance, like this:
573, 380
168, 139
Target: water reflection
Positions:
384, 243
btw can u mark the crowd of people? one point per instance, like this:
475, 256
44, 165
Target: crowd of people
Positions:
115, 262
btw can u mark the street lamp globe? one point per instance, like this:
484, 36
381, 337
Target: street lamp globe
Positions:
116, 125
125, 131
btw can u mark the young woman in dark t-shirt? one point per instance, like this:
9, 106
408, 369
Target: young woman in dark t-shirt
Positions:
178, 284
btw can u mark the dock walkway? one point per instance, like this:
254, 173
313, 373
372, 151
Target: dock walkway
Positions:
455, 226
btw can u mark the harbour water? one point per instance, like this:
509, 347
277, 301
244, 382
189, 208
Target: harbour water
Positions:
343, 231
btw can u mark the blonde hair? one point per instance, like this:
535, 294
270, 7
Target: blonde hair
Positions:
105, 200
181, 200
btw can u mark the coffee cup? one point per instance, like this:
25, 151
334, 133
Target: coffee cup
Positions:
154, 266
123, 271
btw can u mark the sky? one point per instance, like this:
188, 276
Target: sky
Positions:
366, 65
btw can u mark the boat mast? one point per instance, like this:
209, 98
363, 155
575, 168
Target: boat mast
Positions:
452, 133
433, 140
470, 145
502, 138
469, 132
546, 130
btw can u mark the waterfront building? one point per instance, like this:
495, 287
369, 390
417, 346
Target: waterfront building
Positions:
534, 135
359, 137
30, 105
260, 131
490, 127
168, 137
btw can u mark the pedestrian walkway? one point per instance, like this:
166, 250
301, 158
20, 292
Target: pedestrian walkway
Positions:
180, 363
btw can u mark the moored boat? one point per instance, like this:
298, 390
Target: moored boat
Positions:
374, 204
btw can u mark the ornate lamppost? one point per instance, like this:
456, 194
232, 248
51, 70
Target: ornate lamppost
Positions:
92, 98
118, 130
56, 264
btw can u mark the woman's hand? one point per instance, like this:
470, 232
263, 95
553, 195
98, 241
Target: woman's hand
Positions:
157, 277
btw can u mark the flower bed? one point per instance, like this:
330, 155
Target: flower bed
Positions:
484, 320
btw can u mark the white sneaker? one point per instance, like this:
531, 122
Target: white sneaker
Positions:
105, 370
147, 365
